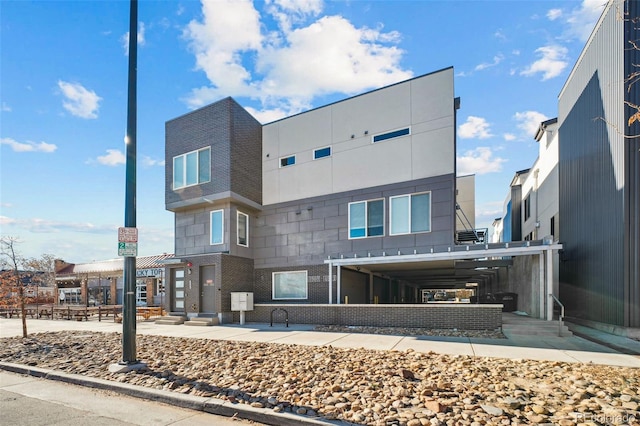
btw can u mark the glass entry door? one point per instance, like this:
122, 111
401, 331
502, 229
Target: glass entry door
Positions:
177, 302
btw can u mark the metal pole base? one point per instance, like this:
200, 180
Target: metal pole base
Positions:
123, 367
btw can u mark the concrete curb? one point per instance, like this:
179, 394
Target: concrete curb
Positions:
198, 403
620, 344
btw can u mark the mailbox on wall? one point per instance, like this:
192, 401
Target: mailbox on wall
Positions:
241, 301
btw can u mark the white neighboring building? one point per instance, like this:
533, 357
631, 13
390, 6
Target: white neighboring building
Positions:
531, 207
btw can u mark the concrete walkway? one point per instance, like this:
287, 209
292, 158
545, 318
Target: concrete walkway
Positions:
515, 346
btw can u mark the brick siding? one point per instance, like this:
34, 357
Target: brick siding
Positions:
435, 316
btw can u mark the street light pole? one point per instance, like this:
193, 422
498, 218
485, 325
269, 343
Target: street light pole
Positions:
129, 300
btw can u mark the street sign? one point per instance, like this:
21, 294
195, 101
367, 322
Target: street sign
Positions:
128, 249
127, 235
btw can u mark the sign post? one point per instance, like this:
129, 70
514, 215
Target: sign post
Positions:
128, 248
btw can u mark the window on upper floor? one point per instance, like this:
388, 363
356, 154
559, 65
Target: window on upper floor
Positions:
217, 227
321, 153
410, 213
527, 207
192, 168
288, 161
243, 229
390, 135
366, 219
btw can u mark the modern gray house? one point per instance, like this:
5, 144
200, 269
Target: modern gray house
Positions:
354, 204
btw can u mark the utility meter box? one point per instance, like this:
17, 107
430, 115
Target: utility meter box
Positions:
241, 301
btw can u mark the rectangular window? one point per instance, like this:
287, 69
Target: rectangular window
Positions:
321, 153
243, 229
289, 285
192, 168
410, 213
527, 207
390, 135
553, 226
366, 219
288, 161
217, 227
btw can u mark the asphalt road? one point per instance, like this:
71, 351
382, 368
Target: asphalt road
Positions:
26, 400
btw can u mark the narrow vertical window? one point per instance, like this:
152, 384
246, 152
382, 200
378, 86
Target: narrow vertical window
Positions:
243, 229
217, 227
178, 172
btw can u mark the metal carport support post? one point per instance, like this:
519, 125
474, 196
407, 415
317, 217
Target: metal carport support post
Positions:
330, 283
550, 283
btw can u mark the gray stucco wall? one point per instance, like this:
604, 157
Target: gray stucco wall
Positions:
307, 231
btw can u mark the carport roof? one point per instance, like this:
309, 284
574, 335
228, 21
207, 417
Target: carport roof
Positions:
456, 262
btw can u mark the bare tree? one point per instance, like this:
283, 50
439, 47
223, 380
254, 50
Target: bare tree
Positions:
13, 260
43, 274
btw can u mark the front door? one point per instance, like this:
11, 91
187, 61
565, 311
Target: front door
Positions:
208, 289
177, 287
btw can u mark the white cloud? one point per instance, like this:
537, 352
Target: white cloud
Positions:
38, 225
496, 60
551, 64
509, 137
479, 161
28, 146
79, 101
554, 14
474, 127
5, 107
529, 122
289, 12
114, 157
286, 68
150, 162
141, 40
267, 115
581, 20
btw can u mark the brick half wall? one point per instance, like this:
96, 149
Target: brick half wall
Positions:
434, 316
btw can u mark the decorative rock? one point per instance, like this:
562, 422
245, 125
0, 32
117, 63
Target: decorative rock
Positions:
348, 385
491, 410
406, 374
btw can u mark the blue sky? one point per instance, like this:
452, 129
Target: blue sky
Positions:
63, 92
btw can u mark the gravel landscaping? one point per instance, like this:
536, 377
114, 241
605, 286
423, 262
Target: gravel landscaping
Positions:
358, 386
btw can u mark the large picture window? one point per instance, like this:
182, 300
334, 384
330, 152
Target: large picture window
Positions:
192, 168
366, 219
410, 213
290, 285
243, 229
217, 227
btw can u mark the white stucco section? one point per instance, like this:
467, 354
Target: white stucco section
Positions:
466, 199
542, 184
424, 104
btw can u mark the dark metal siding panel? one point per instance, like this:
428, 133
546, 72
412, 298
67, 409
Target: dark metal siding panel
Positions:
516, 213
591, 178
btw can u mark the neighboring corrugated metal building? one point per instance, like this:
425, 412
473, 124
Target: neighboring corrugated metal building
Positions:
599, 180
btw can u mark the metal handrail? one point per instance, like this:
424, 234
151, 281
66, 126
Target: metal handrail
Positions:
556, 300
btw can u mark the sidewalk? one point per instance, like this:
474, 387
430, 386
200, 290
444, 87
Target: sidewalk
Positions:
29, 400
534, 347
